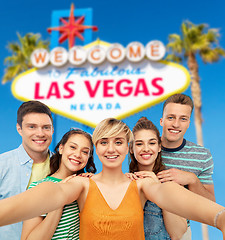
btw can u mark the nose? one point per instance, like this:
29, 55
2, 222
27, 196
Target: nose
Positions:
40, 132
145, 148
111, 147
176, 123
77, 153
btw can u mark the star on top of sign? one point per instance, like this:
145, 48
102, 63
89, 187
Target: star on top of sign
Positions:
71, 28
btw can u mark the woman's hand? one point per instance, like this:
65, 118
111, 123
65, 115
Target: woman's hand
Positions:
131, 176
87, 174
144, 174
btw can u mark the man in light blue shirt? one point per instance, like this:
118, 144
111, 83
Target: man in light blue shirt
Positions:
30, 161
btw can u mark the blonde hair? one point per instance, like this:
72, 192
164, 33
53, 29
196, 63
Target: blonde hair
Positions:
111, 127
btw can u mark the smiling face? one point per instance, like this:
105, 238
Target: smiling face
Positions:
175, 122
75, 154
36, 132
146, 149
113, 150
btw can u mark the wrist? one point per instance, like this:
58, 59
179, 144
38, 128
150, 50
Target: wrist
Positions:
219, 220
193, 179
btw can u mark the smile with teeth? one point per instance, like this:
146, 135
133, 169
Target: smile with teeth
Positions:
39, 141
111, 157
74, 161
174, 131
146, 156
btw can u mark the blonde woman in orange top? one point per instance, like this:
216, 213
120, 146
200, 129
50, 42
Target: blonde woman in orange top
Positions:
110, 203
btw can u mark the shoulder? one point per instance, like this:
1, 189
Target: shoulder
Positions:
197, 148
9, 154
78, 180
146, 182
47, 179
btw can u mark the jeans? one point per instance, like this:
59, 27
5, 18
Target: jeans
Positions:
153, 223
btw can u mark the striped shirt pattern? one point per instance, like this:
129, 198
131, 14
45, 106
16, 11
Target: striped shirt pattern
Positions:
69, 224
191, 158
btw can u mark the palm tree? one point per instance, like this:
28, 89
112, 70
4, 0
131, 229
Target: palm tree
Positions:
202, 41
19, 61
195, 39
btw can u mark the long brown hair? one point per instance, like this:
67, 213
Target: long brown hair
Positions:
55, 160
144, 123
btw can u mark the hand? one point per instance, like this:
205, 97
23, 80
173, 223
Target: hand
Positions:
181, 177
68, 178
87, 174
131, 176
144, 174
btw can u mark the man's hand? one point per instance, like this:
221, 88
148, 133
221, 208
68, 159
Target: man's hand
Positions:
181, 177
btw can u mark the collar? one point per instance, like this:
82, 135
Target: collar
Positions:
175, 149
24, 157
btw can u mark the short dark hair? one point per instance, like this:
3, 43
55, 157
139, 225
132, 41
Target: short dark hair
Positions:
180, 99
32, 107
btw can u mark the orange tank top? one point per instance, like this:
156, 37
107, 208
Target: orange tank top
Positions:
99, 222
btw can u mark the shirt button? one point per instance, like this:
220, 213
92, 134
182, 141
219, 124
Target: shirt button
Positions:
30, 161
27, 174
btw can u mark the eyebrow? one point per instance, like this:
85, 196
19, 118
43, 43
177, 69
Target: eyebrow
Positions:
139, 140
171, 114
37, 124
78, 145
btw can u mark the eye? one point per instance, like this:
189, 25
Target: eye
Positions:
170, 118
138, 144
119, 142
47, 127
103, 142
184, 119
85, 152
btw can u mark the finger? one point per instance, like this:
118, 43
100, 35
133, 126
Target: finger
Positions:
163, 172
168, 179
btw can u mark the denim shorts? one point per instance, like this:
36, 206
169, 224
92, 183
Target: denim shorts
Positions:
153, 223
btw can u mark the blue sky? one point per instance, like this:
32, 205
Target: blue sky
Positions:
124, 22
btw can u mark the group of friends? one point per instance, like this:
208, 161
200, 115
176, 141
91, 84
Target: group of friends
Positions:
59, 196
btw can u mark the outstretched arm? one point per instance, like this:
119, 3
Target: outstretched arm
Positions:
43, 198
175, 225
187, 178
41, 227
176, 199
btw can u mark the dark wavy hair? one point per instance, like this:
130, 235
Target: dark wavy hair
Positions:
55, 160
144, 123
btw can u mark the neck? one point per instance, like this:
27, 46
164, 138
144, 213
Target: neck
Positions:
171, 144
145, 168
112, 176
37, 157
62, 173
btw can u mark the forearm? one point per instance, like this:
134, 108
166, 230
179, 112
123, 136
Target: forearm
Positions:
175, 225
197, 187
46, 229
176, 199
31, 203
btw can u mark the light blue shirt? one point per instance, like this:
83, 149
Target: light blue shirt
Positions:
15, 172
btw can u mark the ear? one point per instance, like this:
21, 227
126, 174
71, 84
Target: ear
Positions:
19, 129
60, 149
160, 148
131, 149
161, 121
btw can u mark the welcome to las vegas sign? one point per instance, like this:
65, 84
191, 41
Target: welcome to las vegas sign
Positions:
101, 80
